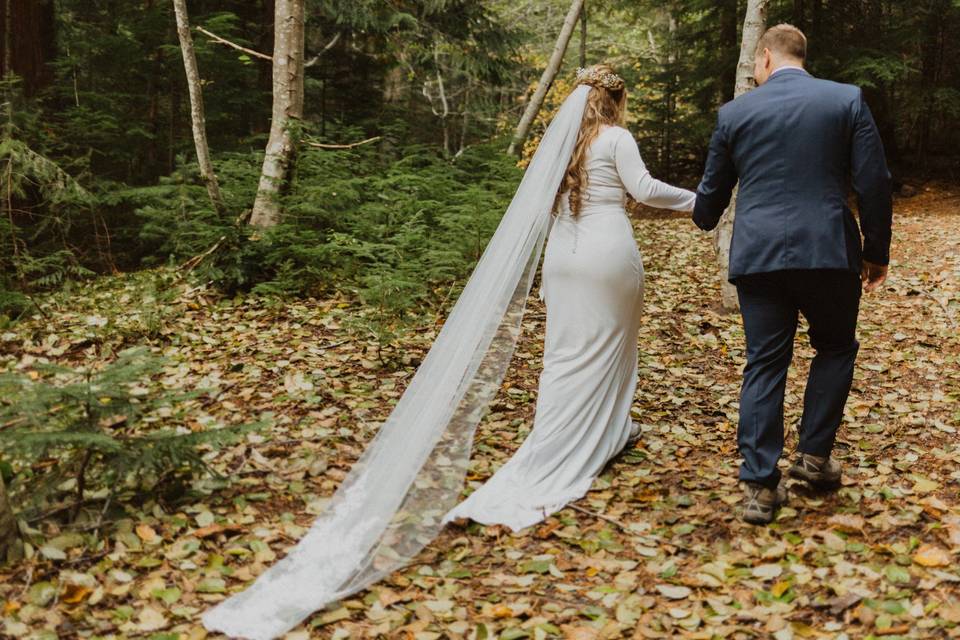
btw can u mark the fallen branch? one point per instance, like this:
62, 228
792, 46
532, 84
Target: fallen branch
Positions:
190, 264
600, 516
234, 45
35, 304
320, 145
623, 528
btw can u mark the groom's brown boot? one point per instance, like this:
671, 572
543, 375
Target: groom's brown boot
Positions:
760, 503
821, 473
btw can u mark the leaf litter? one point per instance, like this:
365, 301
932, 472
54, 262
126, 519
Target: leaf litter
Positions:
655, 550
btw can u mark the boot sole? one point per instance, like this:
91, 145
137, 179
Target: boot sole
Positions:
817, 483
758, 520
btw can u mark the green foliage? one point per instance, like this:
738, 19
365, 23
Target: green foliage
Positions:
39, 211
96, 168
392, 232
106, 428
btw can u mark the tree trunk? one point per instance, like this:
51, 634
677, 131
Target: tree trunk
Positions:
465, 123
754, 24
583, 34
197, 117
816, 22
287, 108
670, 100
27, 41
444, 112
6, 59
556, 59
930, 53
8, 525
264, 72
728, 42
799, 14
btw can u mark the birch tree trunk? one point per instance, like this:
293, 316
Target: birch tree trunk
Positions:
8, 525
556, 59
754, 24
583, 34
287, 108
197, 117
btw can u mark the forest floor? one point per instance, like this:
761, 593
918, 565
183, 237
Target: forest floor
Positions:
655, 550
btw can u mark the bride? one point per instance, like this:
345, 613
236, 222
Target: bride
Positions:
593, 291
404, 487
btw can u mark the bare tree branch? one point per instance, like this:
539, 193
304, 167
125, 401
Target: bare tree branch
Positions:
234, 45
312, 61
320, 145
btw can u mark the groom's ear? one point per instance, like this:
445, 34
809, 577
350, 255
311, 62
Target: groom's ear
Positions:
761, 65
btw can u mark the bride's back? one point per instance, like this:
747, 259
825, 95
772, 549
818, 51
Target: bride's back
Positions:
605, 188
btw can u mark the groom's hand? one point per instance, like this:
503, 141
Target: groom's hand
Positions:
872, 275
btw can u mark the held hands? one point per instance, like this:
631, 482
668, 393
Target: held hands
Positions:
872, 275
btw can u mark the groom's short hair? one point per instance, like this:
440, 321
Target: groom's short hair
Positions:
784, 39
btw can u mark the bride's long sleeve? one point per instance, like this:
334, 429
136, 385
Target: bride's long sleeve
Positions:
643, 186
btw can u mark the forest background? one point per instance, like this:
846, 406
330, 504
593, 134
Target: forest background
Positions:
100, 174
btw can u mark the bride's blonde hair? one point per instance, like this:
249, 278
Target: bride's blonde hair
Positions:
606, 105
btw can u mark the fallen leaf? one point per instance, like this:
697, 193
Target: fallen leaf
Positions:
151, 619
767, 571
847, 522
146, 533
930, 556
674, 592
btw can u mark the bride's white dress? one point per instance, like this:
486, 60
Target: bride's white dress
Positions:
593, 290
393, 501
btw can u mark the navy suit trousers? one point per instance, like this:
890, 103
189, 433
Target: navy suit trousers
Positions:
771, 303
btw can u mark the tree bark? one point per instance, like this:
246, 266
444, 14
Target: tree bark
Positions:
670, 100
197, 117
27, 41
728, 42
8, 525
288, 42
6, 61
583, 34
799, 14
546, 79
754, 24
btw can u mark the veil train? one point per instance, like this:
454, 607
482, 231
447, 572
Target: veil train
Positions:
392, 502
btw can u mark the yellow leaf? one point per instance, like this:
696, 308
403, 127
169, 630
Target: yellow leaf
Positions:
75, 593
780, 588
929, 555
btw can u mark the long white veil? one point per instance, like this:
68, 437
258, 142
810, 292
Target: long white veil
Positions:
392, 502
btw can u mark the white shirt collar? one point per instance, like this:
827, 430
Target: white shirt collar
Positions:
785, 67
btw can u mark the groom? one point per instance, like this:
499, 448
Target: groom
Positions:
795, 143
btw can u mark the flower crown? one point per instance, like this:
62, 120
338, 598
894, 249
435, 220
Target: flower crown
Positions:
598, 78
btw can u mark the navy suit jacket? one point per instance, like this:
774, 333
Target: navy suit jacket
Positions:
796, 143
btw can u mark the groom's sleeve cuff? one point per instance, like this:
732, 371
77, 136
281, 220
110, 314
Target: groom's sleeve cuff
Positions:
703, 216
877, 256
